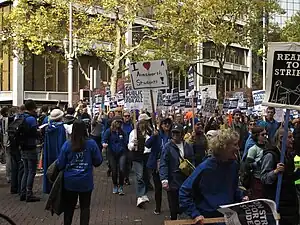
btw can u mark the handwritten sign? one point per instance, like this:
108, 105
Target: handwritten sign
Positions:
210, 105
152, 74
133, 98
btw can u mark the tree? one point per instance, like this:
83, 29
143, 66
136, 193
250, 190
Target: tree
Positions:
228, 22
291, 29
40, 26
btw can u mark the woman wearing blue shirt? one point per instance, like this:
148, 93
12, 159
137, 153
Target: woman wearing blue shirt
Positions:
77, 158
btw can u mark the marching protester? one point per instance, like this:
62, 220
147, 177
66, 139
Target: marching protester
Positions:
253, 161
115, 142
55, 137
270, 123
157, 143
77, 158
139, 155
29, 152
174, 153
215, 181
271, 167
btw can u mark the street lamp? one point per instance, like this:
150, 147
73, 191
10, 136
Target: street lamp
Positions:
70, 48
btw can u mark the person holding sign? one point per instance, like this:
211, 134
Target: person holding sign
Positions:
271, 167
215, 181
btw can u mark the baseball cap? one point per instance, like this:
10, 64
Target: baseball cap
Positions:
144, 116
177, 128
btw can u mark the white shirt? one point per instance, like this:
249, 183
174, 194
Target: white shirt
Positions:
132, 137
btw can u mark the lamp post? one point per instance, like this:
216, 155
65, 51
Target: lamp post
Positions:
70, 47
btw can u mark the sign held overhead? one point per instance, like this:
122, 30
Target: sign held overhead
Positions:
152, 74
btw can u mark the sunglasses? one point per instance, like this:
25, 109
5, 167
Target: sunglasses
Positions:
126, 115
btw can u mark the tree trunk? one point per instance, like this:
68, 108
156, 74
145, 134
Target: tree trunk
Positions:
221, 84
116, 66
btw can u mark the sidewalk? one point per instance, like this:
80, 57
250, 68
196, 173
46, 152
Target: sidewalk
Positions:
106, 208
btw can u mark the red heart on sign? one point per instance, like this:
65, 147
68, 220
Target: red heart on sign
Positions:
147, 65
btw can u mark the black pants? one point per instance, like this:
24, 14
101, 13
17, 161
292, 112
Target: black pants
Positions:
173, 200
70, 199
117, 161
17, 171
157, 189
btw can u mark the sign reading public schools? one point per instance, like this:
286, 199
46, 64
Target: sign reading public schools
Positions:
152, 74
283, 75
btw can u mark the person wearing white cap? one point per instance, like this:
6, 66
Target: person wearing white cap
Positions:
55, 137
139, 156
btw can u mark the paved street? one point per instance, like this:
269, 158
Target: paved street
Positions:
106, 208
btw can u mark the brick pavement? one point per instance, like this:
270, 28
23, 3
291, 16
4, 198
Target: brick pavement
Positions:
106, 208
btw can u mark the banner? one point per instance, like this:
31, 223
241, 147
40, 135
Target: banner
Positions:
260, 211
191, 79
283, 73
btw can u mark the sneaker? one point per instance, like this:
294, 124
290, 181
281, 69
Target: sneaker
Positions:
121, 191
115, 190
156, 212
33, 199
145, 198
140, 201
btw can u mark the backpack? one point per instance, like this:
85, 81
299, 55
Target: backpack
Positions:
17, 133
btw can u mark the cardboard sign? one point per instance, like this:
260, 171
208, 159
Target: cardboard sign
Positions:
283, 75
260, 211
133, 98
152, 74
147, 100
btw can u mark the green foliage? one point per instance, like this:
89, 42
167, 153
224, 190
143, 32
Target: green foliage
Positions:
291, 30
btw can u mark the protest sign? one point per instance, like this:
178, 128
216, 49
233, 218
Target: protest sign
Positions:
167, 97
208, 91
175, 96
133, 98
233, 103
191, 79
147, 100
189, 102
182, 98
279, 114
283, 73
209, 106
152, 74
256, 212
160, 101
258, 97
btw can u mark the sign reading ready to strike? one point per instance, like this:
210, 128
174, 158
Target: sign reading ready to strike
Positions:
152, 74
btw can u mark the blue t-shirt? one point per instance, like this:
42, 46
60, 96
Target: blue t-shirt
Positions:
31, 133
78, 166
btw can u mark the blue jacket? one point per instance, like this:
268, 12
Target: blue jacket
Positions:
156, 144
169, 164
127, 128
31, 132
117, 142
78, 166
55, 137
212, 184
249, 143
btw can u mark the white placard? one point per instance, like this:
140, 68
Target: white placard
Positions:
133, 98
152, 74
147, 100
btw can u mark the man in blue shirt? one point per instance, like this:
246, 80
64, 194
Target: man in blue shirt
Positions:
271, 124
29, 152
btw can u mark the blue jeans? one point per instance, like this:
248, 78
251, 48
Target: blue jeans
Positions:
29, 159
117, 162
141, 186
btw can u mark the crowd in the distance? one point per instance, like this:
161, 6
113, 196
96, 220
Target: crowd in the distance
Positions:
201, 162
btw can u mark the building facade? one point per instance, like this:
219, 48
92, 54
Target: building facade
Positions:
291, 7
44, 78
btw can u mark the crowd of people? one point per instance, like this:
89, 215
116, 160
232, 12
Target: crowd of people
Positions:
202, 162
